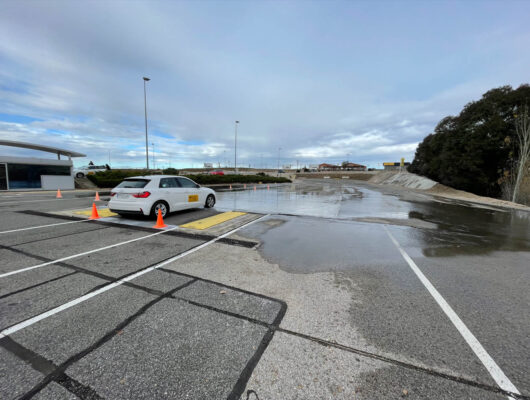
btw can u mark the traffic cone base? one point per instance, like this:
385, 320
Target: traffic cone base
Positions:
97, 197
159, 221
95, 214
59, 195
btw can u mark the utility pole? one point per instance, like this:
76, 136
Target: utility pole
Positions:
235, 149
145, 111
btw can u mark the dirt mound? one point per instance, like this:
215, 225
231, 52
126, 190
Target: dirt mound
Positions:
404, 179
426, 185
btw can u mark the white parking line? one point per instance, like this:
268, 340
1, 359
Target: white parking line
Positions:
18, 271
36, 201
81, 299
43, 226
488, 362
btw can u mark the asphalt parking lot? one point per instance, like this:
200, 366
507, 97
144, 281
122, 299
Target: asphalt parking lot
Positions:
322, 289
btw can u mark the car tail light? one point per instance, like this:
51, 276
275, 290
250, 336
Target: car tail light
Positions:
112, 194
142, 195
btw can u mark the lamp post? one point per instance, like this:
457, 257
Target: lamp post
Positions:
235, 149
154, 160
279, 150
145, 111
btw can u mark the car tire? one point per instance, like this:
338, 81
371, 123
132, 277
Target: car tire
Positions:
163, 206
210, 201
79, 175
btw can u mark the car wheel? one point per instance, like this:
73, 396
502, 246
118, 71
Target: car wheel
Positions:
162, 206
79, 175
210, 201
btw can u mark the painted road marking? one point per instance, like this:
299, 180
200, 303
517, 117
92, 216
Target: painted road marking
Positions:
102, 212
492, 367
43, 226
205, 223
36, 201
18, 271
53, 311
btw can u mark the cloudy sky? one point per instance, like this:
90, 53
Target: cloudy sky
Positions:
323, 80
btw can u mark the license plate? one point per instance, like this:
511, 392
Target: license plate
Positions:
193, 197
123, 195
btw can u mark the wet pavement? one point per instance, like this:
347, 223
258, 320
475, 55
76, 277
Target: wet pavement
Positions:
326, 305
477, 257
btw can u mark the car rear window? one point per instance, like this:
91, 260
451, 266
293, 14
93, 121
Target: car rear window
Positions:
133, 183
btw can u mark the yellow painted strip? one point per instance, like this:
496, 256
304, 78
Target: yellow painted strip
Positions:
104, 212
206, 223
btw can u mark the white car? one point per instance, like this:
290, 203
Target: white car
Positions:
88, 170
148, 194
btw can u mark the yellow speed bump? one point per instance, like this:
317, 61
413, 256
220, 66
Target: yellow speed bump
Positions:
206, 223
103, 212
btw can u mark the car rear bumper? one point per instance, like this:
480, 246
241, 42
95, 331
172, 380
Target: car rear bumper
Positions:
130, 207
132, 212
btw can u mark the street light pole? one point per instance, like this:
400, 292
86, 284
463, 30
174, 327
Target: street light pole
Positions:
154, 159
145, 111
235, 149
279, 150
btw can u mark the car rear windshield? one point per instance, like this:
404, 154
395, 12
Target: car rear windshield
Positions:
133, 183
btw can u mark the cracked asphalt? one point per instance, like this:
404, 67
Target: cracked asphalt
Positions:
310, 300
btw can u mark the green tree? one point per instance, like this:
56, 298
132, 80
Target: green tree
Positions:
471, 151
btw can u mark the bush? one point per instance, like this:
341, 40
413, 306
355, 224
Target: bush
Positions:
112, 178
227, 179
473, 150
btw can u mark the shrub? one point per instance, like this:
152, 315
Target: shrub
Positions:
112, 178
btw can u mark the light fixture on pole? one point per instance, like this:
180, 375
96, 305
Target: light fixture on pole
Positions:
235, 149
145, 111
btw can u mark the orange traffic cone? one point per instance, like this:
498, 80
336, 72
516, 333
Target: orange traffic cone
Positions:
159, 221
95, 214
254, 188
230, 187
268, 187
245, 186
97, 197
59, 195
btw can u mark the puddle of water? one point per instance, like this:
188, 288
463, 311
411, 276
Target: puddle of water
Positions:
445, 228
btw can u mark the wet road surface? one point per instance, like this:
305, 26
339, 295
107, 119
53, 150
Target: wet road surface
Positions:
477, 258
325, 307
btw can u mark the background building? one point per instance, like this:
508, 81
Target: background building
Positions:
395, 166
23, 173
